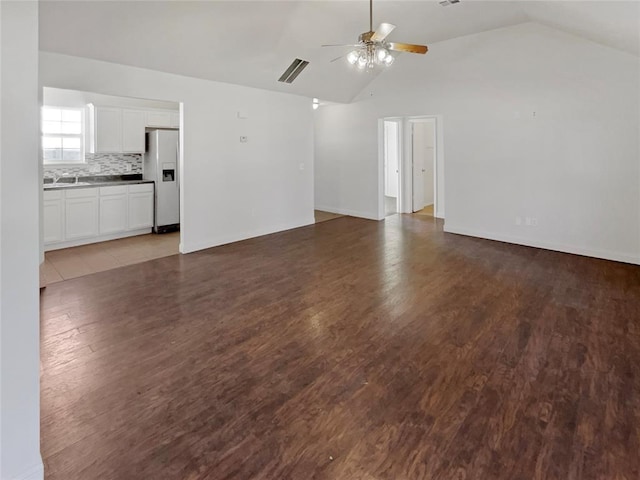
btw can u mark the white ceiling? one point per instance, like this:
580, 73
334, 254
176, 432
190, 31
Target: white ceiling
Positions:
253, 42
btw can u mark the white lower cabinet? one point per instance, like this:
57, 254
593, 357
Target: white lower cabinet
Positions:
53, 213
81, 213
86, 215
113, 209
141, 207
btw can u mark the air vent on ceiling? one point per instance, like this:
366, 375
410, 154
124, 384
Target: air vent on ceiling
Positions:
445, 3
291, 73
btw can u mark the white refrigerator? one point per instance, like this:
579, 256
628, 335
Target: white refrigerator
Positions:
161, 165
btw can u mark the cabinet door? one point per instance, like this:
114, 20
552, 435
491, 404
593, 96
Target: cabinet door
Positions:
140, 210
108, 130
133, 123
113, 214
53, 221
158, 118
81, 217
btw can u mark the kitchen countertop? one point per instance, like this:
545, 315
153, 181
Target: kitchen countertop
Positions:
91, 182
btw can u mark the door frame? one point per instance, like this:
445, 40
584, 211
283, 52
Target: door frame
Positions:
405, 166
381, 170
438, 161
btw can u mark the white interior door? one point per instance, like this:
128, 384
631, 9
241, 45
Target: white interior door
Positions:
419, 155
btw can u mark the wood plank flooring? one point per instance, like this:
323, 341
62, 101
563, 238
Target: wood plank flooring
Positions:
321, 216
350, 349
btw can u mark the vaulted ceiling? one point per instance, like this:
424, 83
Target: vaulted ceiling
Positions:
253, 42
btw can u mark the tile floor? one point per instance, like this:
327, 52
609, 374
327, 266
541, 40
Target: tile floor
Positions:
97, 257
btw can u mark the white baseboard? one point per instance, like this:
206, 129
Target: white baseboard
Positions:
237, 237
346, 211
34, 473
99, 238
587, 252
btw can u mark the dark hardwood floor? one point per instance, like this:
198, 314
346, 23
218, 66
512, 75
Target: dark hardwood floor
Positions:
351, 349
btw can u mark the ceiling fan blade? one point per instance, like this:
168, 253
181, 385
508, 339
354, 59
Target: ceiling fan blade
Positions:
341, 45
382, 31
407, 47
337, 58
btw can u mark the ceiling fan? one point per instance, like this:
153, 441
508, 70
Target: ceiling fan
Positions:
372, 48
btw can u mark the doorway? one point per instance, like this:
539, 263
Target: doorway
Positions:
391, 165
423, 165
411, 166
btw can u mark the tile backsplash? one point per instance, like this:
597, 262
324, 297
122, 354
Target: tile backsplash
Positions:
99, 164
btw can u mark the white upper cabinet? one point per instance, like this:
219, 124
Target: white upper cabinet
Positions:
133, 123
106, 129
116, 130
159, 118
121, 130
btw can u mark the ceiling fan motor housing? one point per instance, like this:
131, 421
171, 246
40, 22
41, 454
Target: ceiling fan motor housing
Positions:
365, 37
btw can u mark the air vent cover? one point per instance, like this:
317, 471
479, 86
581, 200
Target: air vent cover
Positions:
291, 73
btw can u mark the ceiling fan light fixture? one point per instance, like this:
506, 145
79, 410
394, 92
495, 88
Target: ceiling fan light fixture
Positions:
372, 48
381, 54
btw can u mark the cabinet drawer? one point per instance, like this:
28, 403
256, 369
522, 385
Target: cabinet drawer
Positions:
115, 190
49, 195
141, 188
81, 192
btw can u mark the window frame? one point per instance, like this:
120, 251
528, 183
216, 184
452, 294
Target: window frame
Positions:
81, 136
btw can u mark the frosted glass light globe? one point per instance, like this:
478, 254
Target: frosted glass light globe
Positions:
352, 57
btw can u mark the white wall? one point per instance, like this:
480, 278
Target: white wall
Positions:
574, 166
391, 158
57, 97
231, 190
19, 243
429, 162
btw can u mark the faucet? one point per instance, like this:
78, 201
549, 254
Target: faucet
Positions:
56, 177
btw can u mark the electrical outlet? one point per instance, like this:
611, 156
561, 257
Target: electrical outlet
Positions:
127, 167
302, 166
527, 221
534, 222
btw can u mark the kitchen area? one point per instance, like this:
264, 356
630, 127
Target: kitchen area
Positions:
111, 169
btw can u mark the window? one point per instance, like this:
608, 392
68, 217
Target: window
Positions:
62, 135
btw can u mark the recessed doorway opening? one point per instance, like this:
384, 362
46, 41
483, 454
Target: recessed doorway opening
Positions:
411, 160
392, 141
423, 165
